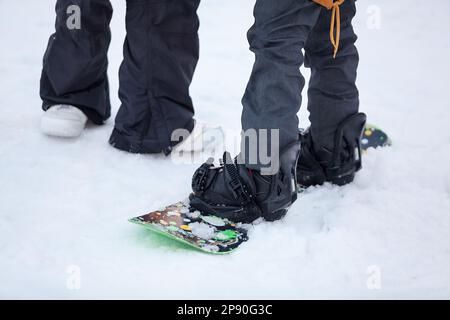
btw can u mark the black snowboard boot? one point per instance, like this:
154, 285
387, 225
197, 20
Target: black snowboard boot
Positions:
240, 194
337, 166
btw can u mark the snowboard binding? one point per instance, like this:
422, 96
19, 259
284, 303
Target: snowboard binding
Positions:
239, 194
226, 191
340, 164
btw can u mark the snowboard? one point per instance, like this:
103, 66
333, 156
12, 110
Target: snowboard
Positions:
198, 230
374, 137
212, 234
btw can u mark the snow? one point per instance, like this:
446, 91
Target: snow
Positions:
64, 205
202, 230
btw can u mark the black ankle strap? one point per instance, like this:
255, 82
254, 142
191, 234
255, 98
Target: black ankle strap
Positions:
240, 189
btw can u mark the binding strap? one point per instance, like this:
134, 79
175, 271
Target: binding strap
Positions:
240, 189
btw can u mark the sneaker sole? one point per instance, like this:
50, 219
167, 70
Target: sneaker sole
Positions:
59, 128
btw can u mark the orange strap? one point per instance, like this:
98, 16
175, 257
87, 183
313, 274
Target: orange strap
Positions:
336, 22
335, 36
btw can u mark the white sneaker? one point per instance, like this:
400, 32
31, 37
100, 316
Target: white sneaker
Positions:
63, 121
205, 137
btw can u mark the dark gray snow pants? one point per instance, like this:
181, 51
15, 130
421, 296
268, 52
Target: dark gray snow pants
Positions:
160, 55
282, 29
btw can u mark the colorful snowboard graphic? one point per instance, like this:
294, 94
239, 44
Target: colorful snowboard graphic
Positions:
374, 137
206, 233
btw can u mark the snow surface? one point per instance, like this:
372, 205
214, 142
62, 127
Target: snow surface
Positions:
64, 205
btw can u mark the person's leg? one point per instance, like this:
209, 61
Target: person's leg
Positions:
274, 92
331, 146
160, 55
75, 63
332, 95
246, 189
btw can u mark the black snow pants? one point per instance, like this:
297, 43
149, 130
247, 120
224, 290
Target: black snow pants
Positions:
282, 29
160, 55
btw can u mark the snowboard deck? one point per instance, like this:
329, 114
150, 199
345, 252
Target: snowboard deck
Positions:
206, 233
374, 137
212, 234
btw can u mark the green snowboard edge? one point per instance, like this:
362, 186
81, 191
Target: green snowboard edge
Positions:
179, 240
